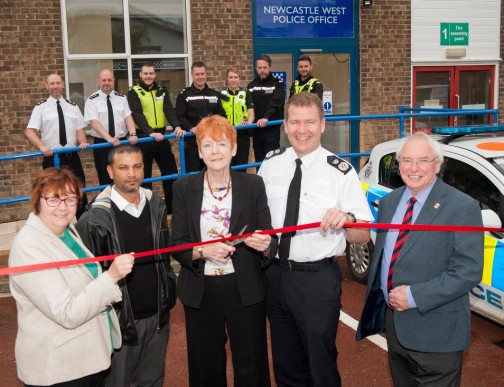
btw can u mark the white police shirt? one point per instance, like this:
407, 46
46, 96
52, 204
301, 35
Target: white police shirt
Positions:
327, 182
96, 109
44, 119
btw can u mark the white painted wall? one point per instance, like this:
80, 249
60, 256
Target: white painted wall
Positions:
483, 17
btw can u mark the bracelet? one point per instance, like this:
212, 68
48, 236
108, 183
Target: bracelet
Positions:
133, 134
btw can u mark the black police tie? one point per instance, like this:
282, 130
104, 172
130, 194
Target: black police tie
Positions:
291, 213
111, 126
62, 127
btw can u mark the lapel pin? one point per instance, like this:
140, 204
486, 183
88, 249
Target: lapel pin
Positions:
437, 205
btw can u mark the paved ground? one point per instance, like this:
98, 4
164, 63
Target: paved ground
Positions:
361, 363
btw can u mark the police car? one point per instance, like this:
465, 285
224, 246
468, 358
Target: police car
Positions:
474, 164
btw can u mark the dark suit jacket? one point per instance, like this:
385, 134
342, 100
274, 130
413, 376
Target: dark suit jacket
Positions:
440, 267
249, 207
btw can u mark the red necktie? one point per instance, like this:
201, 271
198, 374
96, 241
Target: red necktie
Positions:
401, 238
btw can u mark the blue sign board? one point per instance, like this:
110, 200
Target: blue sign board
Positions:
302, 19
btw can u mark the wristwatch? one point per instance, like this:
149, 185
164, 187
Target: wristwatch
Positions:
354, 220
200, 252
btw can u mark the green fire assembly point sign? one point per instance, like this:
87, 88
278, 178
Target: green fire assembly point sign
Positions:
454, 34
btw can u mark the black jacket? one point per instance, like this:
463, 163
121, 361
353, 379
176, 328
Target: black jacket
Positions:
268, 97
194, 104
249, 207
98, 230
135, 105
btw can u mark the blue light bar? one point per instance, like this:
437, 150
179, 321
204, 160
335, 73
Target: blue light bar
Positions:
469, 129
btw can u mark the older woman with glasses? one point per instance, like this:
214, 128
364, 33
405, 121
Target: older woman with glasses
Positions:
221, 284
67, 330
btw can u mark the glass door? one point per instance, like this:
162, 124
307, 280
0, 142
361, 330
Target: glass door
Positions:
452, 87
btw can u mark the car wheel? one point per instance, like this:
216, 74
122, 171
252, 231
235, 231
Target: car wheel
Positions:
359, 259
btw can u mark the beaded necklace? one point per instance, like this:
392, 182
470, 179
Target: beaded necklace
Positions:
219, 198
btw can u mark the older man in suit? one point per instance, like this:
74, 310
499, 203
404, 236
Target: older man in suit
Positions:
419, 281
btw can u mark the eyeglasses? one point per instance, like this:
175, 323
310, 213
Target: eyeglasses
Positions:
421, 162
55, 202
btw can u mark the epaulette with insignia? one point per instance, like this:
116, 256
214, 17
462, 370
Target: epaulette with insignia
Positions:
340, 164
41, 102
94, 96
275, 152
118, 94
70, 102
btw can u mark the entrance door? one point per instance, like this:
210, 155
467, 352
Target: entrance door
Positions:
458, 87
339, 78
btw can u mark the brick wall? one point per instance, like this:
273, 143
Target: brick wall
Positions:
30, 48
222, 37
385, 67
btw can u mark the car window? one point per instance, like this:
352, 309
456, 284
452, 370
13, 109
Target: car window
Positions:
472, 182
388, 172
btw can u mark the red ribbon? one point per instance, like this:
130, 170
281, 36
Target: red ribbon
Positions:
387, 226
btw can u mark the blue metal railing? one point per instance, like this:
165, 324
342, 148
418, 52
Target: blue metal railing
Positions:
402, 116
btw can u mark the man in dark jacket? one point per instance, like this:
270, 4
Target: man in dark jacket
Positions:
152, 111
268, 96
194, 103
126, 217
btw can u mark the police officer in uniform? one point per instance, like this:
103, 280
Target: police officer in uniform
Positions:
152, 110
305, 80
268, 97
239, 111
194, 103
104, 109
61, 125
303, 299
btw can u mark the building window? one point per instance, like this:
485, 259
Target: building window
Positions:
121, 35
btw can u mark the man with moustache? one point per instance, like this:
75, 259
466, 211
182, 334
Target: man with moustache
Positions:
268, 97
127, 217
194, 103
152, 111
111, 121
61, 125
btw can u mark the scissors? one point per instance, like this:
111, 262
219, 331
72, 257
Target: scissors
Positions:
234, 242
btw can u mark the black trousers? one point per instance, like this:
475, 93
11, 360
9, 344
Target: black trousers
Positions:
265, 140
192, 160
72, 161
101, 161
221, 314
413, 368
162, 153
243, 149
303, 310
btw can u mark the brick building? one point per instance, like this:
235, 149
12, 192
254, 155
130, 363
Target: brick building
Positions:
222, 34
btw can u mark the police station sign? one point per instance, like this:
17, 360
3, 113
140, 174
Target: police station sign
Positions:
302, 19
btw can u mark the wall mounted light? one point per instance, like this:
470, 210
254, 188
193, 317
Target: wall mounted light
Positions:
367, 3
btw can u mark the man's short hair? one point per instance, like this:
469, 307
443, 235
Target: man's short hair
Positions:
304, 57
433, 144
122, 148
304, 99
148, 64
265, 58
197, 64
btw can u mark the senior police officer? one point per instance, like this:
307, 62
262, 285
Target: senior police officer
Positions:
239, 111
305, 80
110, 118
61, 125
152, 110
303, 299
268, 96
194, 103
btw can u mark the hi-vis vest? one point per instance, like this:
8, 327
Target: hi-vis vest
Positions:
308, 86
235, 107
152, 107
